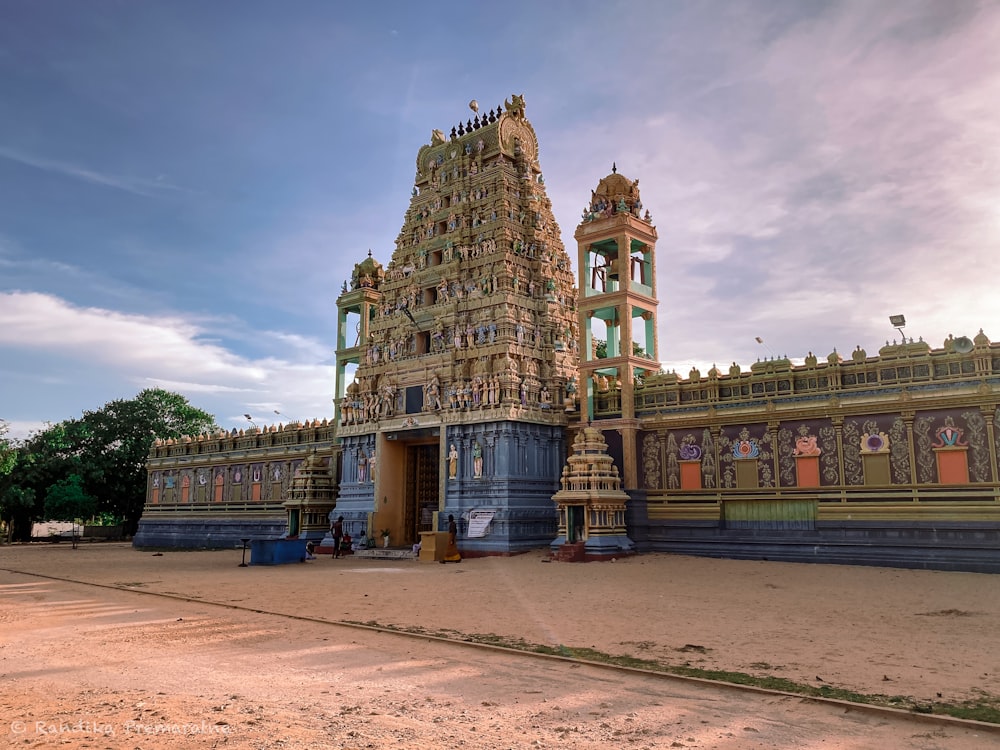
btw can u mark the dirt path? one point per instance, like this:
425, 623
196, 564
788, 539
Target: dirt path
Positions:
141, 669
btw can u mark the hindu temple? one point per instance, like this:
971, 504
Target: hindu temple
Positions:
482, 372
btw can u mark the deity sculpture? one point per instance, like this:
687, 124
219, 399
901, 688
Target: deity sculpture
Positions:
477, 460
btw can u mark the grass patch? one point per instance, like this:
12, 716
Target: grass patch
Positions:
985, 707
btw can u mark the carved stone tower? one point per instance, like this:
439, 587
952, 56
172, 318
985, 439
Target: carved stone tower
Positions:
312, 497
465, 365
617, 308
591, 503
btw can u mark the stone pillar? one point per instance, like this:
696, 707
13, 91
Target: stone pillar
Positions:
908, 421
630, 456
991, 439
838, 428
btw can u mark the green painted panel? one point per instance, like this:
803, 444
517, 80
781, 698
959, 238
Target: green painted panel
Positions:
769, 514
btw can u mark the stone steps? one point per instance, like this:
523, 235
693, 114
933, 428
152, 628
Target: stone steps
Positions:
382, 553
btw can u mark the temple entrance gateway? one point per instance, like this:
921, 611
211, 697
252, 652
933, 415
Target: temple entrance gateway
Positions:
421, 498
470, 337
406, 484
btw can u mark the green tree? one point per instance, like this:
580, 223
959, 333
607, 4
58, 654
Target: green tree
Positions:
47, 457
8, 450
107, 449
116, 442
17, 506
67, 501
29, 468
8, 459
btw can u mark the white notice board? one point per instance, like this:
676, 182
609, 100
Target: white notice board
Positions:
479, 522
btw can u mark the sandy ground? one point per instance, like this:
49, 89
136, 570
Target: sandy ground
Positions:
128, 663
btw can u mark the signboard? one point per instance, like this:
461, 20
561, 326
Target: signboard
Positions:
479, 522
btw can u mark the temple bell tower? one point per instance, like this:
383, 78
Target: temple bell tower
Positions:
617, 309
356, 309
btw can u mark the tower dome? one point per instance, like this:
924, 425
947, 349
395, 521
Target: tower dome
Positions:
615, 194
367, 273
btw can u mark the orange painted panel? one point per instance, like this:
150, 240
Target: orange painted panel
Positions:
690, 475
255, 493
807, 471
953, 466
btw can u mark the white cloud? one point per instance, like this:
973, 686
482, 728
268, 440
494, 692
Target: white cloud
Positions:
23, 429
842, 170
170, 352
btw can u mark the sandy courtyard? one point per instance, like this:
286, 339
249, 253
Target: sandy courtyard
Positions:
926, 634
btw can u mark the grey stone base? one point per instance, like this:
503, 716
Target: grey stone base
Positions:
960, 547
511, 532
198, 533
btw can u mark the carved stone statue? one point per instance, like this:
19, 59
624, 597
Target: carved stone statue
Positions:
477, 460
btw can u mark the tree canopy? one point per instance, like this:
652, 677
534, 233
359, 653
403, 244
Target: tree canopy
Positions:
105, 449
67, 501
8, 453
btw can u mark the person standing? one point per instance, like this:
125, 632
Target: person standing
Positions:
452, 554
337, 531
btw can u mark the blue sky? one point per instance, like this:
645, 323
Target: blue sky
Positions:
185, 185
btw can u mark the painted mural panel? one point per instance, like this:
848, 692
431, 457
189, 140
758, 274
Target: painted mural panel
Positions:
951, 428
662, 452
876, 433
709, 475
815, 437
744, 442
237, 477
977, 435
650, 452
218, 484
673, 478
201, 485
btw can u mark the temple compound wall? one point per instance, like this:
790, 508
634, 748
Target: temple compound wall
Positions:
210, 491
887, 460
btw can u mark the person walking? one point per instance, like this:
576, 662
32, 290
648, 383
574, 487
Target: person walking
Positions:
337, 532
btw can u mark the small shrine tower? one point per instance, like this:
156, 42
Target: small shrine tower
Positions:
617, 308
312, 497
591, 504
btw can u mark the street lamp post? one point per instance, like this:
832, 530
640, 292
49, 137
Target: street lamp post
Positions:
243, 562
898, 322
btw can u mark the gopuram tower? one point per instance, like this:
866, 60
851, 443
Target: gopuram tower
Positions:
466, 358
